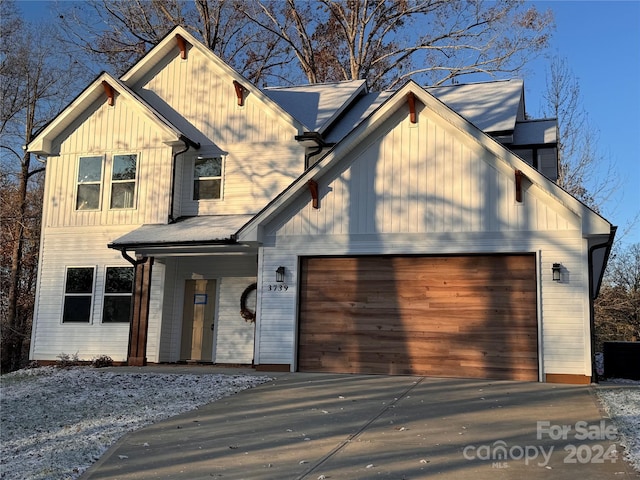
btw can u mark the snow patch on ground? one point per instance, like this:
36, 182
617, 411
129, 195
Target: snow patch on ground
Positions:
621, 401
56, 422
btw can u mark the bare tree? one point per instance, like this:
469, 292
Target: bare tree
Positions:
617, 308
271, 41
35, 84
389, 41
584, 171
117, 33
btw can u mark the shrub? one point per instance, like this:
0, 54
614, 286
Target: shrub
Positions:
66, 360
102, 361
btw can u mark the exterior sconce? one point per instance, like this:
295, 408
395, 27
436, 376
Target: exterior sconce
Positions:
556, 271
280, 274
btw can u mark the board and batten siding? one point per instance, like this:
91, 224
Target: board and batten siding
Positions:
205, 97
108, 131
80, 247
421, 179
253, 175
232, 274
428, 189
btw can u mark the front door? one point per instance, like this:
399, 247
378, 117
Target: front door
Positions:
198, 321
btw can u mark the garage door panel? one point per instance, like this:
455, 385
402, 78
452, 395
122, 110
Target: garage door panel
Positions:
467, 316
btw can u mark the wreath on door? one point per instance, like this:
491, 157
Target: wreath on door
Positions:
245, 313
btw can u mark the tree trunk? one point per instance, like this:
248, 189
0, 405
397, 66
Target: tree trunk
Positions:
17, 332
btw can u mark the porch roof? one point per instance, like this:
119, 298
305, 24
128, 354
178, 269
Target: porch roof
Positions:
200, 230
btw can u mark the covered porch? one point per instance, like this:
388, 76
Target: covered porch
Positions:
194, 292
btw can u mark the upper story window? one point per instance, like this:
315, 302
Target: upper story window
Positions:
78, 294
207, 178
89, 183
124, 174
123, 181
118, 289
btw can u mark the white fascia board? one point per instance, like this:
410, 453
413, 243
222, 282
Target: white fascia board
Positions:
42, 144
592, 223
172, 134
252, 231
168, 46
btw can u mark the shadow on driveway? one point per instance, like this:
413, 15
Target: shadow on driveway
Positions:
310, 426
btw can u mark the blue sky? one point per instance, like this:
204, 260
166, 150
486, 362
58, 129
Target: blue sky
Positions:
601, 42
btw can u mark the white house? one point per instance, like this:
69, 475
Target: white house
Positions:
190, 216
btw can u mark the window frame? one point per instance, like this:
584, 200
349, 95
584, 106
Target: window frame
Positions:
113, 182
194, 179
106, 294
100, 183
91, 295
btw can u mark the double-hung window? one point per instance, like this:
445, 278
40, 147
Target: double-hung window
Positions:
207, 178
123, 181
118, 289
78, 295
89, 183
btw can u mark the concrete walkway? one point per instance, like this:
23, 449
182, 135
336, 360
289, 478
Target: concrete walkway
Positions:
317, 426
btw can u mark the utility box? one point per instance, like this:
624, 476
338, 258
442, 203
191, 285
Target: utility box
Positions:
622, 360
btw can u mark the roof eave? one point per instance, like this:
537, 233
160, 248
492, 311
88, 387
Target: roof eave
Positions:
43, 143
168, 44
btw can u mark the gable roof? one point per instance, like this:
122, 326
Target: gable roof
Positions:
169, 46
592, 223
317, 105
494, 107
42, 144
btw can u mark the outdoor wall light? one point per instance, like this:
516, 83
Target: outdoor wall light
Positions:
280, 274
555, 268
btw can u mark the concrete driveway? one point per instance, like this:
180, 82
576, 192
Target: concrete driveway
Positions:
318, 426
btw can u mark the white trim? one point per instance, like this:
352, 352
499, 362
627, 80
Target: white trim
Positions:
77, 182
136, 181
586, 286
193, 177
296, 325
104, 293
505, 161
42, 144
167, 46
92, 295
258, 323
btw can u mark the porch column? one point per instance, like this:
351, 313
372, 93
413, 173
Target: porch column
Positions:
137, 354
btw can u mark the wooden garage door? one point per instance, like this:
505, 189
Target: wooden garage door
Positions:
456, 316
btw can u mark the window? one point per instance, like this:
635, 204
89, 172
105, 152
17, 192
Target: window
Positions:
78, 293
207, 178
89, 183
123, 181
118, 289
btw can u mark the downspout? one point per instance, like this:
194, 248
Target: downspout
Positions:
319, 142
187, 144
130, 259
311, 153
592, 293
